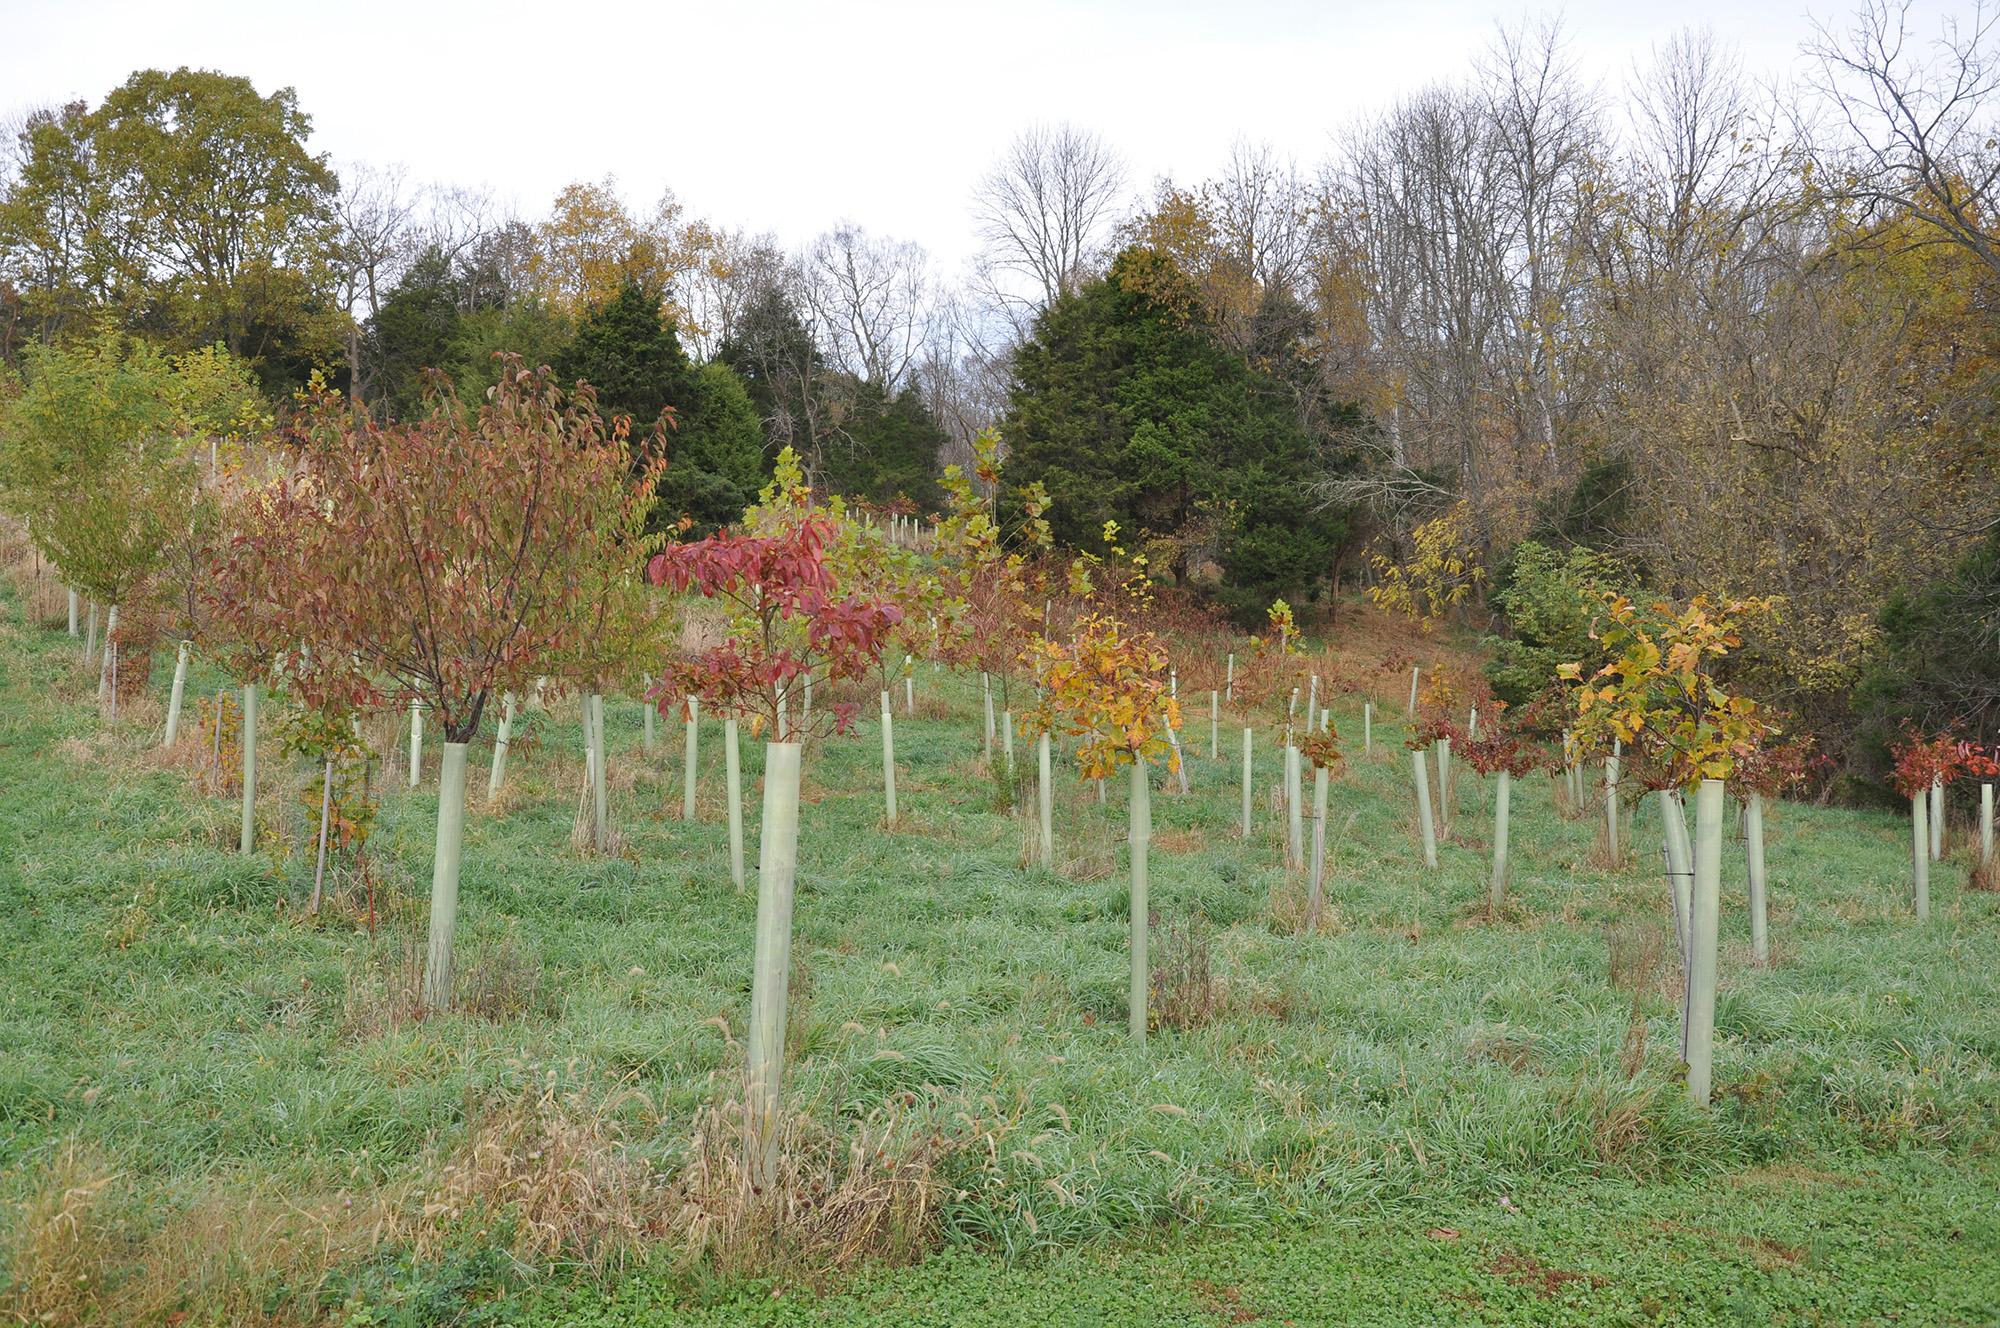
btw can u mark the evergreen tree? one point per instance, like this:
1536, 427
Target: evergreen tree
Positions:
633, 357
1127, 408
413, 331
887, 448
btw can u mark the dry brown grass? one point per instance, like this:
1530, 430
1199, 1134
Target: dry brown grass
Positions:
554, 1163
1636, 957
83, 1249
839, 1199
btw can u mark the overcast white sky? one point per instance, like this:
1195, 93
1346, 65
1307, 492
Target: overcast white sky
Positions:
792, 116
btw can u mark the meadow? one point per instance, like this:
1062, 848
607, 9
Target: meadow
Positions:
217, 1108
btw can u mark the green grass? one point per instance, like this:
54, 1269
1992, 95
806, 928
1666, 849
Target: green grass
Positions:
168, 1003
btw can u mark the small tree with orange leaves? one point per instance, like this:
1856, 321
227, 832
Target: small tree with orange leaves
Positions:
1107, 687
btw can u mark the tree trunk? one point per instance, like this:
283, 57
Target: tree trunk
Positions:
444, 877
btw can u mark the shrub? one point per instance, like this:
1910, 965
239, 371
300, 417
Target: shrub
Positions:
1550, 599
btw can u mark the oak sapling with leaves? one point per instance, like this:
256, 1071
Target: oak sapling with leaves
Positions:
1107, 687
1505, 751
790, 622
1661, 697
1921, 769
994, 578
1763, 775
1322, 750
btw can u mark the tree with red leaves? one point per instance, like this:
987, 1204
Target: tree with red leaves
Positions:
791, 624
1501, 748
441, 561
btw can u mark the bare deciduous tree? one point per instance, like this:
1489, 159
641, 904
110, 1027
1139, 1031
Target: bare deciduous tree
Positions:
1042, 212
1920, 120
873, 299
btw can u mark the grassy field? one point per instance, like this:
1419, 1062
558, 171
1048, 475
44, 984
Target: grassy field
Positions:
215, 1108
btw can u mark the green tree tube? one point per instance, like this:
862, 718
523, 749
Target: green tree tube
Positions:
1501, 793
888, 761
1367, 728
1246, 781
1424, 823
1295, 855
1214, 726
1611, 800
416, 741
90, 632
733, 775
1045, 800
777, 869
1444, 788
1753, 853
249, 840
986, 689
444, 877
1141, 841
692, 759
1228, 677
175, 696
1919, 819
72, 612
1409, 711
1316, 894
1936, 808
105, 691
647, 711
1007, 739
600, 802
1705, 917
325, 816
501, 742
1680, 868
1985, 824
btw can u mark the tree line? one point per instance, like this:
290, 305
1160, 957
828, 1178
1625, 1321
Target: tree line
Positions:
1726, 337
